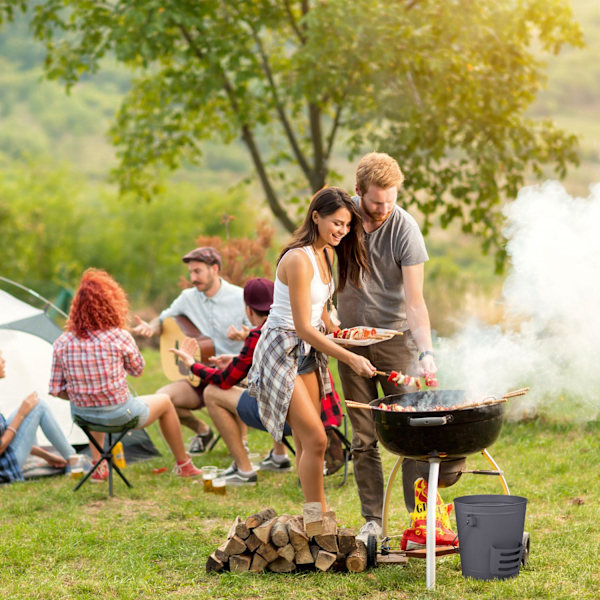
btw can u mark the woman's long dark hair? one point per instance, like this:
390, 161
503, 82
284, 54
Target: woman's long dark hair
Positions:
351, 253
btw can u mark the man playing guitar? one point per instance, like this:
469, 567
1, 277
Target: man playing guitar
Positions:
213, 305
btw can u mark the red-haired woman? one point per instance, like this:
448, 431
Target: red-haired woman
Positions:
90, 363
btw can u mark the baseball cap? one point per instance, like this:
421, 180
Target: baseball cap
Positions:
258, 294
206, 254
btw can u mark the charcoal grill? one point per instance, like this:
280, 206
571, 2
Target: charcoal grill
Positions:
435, 431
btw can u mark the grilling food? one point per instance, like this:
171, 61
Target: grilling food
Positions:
355, 333
398, 378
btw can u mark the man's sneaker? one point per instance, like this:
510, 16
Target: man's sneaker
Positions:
369, 528
202, 442
270, 464
100, 474
230, 470
237, 478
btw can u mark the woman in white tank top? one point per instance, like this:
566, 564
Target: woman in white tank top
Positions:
297, 324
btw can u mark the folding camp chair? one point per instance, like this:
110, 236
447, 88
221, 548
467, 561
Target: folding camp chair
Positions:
105, 453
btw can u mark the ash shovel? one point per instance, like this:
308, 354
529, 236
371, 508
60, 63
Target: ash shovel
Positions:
490, 535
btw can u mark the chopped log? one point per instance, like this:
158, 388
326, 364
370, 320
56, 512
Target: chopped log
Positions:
233, 527
252, 542
297, 535
312, 513
346, 540
340, 563
242, 530
263, 532
356, 562
268, 552
314, 550
287, 552
221, 553
213, 564
235, 545
304, 556
258, 564
240, 563
327, 539
324, 560
279, 532
281, 565
260, 518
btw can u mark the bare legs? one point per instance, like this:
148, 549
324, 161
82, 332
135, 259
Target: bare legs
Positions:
185, 400
162, 409
304, 417
221, 406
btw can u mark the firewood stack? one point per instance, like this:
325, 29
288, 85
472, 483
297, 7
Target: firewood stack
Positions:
285, 543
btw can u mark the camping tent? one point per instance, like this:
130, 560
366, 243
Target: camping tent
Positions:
26, 336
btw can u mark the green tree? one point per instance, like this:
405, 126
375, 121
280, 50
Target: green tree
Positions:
442, 86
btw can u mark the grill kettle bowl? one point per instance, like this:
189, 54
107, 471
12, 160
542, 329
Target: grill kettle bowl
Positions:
447, 434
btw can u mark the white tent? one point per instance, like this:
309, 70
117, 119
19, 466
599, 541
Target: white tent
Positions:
26, 336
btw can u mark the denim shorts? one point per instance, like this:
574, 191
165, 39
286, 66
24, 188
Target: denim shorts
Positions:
118, 414
307, 363
247, 409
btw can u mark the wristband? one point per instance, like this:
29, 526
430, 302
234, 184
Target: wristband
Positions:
9, 428
424, 354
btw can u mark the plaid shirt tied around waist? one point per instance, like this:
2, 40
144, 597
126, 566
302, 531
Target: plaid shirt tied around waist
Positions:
272, 377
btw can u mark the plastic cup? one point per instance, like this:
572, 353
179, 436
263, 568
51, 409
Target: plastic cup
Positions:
77, 473
219, 485
208, 475
254, 461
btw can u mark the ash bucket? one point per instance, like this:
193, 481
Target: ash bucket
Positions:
490, 535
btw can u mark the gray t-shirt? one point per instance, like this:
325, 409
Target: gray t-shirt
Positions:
380, 302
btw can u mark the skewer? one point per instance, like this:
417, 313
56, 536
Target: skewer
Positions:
382, 373
352, 404
520, 392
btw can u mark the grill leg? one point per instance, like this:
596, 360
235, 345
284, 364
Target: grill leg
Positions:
432, 485
492, 462
387, 497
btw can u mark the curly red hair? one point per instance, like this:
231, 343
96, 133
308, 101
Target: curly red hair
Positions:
99, 304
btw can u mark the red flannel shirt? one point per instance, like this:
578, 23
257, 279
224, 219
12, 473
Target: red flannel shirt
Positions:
93, 371
237, 370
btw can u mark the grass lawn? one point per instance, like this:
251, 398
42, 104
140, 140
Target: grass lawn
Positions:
153, 541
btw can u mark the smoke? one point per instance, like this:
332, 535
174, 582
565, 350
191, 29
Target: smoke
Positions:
550, 340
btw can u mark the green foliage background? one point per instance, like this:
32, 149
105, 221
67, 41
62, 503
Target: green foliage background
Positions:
59, 213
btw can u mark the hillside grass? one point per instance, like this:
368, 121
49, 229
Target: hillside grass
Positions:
153, 541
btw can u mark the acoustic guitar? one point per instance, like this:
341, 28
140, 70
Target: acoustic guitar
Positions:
174, 331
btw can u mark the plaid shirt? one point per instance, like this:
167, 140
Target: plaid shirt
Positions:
93, 371
236, 370
9, 467
272, 377
331, 407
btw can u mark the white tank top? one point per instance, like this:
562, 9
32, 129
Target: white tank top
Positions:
280, 314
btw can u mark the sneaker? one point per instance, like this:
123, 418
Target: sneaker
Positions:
237, 478
369, 528
270, 464
202, 442
187, 469
230, 470
100, 474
